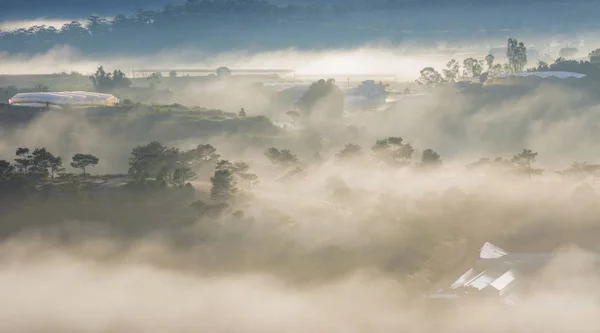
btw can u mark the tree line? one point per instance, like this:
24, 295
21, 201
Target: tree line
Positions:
516, 54
477, 69
35, 170
155, 168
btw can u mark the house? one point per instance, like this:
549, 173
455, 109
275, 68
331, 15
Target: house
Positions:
497, 274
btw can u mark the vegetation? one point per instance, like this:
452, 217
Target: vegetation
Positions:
516, 52
350, 150
393, 150
282, 157
324, 97
106, 82
223, 182
82, 161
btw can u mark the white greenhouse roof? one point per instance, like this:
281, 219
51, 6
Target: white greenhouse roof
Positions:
544, 75
75, 98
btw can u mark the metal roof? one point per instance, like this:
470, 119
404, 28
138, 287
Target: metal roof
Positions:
80, 98
543, 75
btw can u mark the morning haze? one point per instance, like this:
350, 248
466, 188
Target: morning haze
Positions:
311, 166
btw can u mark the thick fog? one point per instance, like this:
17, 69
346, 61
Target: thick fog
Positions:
403, 60
345, 245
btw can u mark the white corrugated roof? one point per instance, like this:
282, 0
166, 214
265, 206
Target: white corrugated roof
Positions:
82, 98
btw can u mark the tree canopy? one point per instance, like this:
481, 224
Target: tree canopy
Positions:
323, 95
516, 52
106, 82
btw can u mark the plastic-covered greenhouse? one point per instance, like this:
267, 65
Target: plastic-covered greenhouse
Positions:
65, 98
532, 77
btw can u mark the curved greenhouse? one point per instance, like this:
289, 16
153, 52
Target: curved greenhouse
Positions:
65, 98
532, 78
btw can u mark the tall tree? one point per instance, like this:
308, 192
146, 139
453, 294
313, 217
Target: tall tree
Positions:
223, 182
452, 71
472, 68
489, 60
524, 160
44, 162
516, 52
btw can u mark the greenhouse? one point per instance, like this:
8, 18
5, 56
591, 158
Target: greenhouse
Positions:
65, 98
532, 78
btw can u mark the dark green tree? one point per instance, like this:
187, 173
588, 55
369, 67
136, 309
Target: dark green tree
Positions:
429, 158
472, 68
241, 171
149, 160
516, 52
489, 60
273, 155
282, 157
223, 182
106, 82
324, 94
350, 150
242, 113
82, 161
6, 169
523, 162
430, 78
452, 71
202, 154
393, 150
182, 176
44, 162
24, 160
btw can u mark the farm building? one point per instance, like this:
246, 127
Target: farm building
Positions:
65, 98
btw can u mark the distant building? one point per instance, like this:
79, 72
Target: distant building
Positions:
223, 71
368, 95
497, 274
